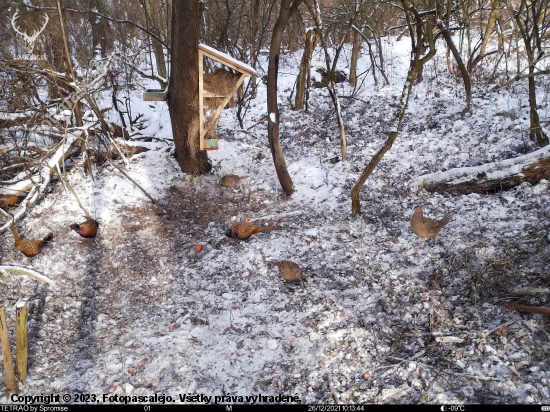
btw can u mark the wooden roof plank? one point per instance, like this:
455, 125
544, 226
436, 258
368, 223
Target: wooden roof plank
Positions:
227, 60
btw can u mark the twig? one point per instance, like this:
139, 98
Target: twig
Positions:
483, 378
5, 214
279, 215
57, 170
386, 366
419, 354
519, 77
243, 131
100, 15
131, 180
500, 327
258, 122
72, 190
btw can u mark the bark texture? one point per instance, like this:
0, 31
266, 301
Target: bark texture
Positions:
305, 67
183, 88
272, 109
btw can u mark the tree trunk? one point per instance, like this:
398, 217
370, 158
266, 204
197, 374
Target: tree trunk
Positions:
157, 47
372, 61
474, 61
341, 128
530, 33
305, 67
331, 69
77, 109
535, 131
354, 57
253, 32
272, 109
459, 61
416, 65
183, 88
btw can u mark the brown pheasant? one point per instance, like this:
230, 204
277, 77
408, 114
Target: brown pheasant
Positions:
29, 248
425, 227
243, 230
288, 270
9, 200
231, 180
86, 229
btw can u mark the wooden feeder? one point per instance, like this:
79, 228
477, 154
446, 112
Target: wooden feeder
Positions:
154, 95
225, 59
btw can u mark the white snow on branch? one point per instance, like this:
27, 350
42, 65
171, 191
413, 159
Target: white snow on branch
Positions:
230, 59
490, 171
43, 177
27, 272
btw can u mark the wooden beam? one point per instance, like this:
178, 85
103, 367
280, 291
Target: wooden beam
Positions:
201, 102
227, 60
225, 101
11, 384
21, 342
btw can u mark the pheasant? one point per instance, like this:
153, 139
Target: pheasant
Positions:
86, 229
29, 248
9, 200
243, 230
231, 180
425, 227
288, 270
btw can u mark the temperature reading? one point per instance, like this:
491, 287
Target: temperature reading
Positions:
453, 408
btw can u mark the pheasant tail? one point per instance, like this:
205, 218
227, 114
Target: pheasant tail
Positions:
532, 309
268, 228
446, 219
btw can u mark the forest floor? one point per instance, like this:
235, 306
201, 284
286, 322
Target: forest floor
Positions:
381, 318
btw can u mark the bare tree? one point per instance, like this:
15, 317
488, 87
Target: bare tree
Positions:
303, 81
152, 18
533, 22
315, 11
421, 26
288, 7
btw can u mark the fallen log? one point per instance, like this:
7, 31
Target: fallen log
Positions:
488, 178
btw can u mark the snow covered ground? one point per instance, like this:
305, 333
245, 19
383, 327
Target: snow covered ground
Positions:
382, 318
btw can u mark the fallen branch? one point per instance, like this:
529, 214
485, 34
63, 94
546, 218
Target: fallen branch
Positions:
27, 272
44, 177
500, 327
490, 177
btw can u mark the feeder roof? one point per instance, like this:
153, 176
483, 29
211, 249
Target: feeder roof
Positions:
227, 60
